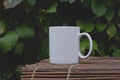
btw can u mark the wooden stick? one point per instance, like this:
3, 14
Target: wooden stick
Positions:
71, 76
82, 78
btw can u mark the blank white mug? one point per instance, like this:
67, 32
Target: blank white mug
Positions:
64, 44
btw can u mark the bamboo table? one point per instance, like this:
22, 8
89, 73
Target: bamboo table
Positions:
92, 68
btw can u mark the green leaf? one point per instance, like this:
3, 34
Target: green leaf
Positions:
95, 46
98, 8
52, 8
9, 41
86, 26
109, 14
100, 26
84, 44
11, 3
2, 27
32, 2
28, 5
1, 40
111, 31
72, 1
80, 23
114, 49
25, 31
89, 26
116, 53
19, 48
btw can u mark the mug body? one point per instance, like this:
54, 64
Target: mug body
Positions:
63, 44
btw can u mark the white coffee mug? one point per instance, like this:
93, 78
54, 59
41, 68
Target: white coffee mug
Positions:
64, 44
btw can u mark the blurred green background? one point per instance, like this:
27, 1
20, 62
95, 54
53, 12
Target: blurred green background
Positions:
24, 29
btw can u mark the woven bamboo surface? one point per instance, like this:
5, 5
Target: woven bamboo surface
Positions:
92, 68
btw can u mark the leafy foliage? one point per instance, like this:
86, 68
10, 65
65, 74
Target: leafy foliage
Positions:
111, 31
2, 27
109, 14
19, 48
52, 8
24, 28
9, 41
100, 26
98, 8
11, 3
25, 31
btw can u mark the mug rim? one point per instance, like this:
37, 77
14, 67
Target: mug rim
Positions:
64, 27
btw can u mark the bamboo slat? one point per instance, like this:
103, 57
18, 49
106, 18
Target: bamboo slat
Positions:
93, 68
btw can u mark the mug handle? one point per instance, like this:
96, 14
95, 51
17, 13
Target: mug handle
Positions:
90, 43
